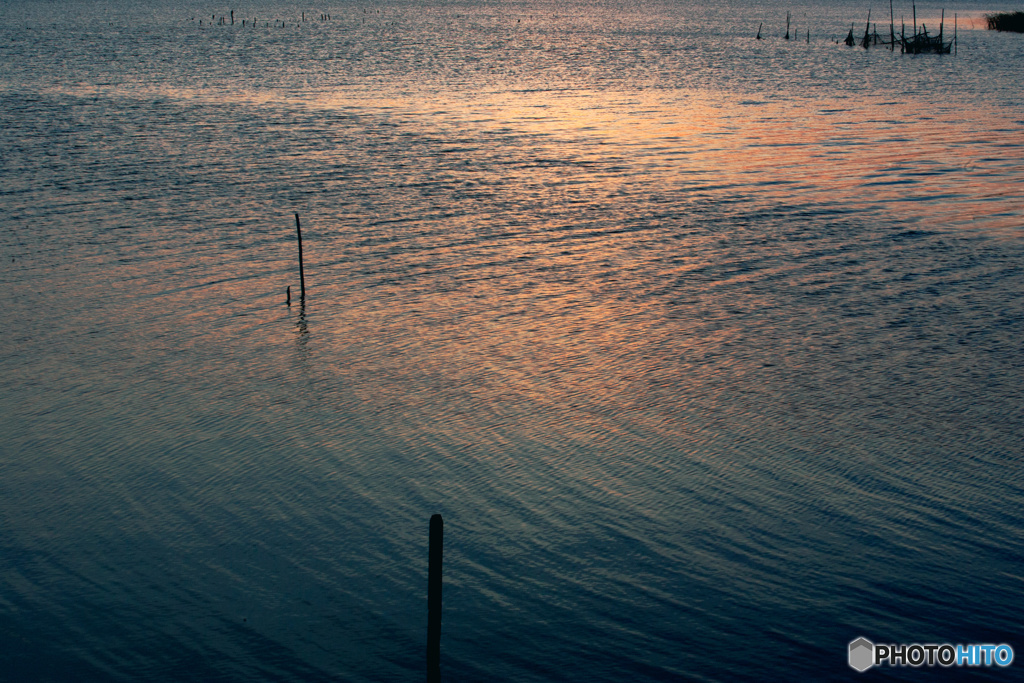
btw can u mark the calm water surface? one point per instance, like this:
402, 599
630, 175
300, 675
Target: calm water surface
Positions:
707, 349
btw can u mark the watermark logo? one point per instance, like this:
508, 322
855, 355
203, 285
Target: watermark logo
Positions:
863, 654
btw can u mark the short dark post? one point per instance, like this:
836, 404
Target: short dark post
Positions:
434, 600
288, 294
302, 274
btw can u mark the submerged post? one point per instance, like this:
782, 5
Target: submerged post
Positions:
436, 553
302, 275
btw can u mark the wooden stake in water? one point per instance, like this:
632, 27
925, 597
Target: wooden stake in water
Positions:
436, 553
302, 274
892, 29
288, 295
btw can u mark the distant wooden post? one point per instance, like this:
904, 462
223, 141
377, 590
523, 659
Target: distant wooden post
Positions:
892, 29
302, 274
436, 553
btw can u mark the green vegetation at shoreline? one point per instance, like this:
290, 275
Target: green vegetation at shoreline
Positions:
1006, 21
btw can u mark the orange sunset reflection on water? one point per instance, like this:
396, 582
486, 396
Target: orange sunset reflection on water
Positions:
945, 167
537, 290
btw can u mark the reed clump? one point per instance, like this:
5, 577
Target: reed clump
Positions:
1006, 21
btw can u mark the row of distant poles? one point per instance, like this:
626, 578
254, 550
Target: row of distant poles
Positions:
787, 36
229, 20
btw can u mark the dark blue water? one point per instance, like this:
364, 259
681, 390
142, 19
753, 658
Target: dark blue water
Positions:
707, 349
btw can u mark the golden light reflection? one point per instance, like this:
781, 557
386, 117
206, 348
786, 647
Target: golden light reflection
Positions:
507, 302
945, 167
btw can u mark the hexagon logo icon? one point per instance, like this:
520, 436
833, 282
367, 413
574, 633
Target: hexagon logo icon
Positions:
862, 654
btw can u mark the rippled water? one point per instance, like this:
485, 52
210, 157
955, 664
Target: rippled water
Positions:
707, 349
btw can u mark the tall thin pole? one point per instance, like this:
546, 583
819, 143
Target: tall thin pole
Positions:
302, 274
892, 29
436, 553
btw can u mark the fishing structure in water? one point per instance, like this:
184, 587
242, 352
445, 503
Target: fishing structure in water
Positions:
919, 42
